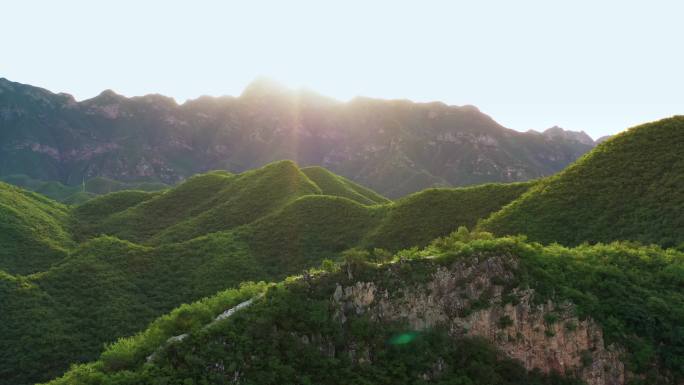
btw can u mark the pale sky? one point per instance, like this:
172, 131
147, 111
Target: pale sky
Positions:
598, 66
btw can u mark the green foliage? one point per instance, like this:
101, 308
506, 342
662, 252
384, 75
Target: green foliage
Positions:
106, 287
86, 218
218, 229
550, 318
32, 231
287, 336
380, 255
130, 352
634, 292
328, 265
301, 233
331, 184
505, 321
79, 193
421, 217
630, 187
355, 256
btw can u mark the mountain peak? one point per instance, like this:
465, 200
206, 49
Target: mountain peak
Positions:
5, 84
108, 93
558, 132
107, 96
264, 87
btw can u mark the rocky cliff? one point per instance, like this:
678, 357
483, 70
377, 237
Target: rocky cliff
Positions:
468, 299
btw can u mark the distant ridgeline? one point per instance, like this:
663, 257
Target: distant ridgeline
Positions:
73, 278
395, 147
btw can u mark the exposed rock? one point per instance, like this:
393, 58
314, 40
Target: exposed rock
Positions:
546, 336
580, 136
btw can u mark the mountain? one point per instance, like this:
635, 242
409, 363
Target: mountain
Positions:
468, 309
630, 187
33, 231
416, 219
128, 257
557, 132
394, 147
603, 139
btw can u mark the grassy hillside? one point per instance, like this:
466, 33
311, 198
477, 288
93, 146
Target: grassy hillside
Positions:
86, 219
331, 184
80, 193
630, 187
287, 335
32, 231
421, 217
219, 202
250, 196
209, 203
209, 233
310, 229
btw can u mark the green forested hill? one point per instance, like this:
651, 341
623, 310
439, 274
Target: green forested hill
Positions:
630, 187
138, 254
33, 231
331, 184
79, 193
297, 332
416, 219
120, 260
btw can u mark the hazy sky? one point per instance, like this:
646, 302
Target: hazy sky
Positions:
598, 66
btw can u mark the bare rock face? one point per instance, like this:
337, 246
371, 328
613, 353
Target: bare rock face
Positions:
468, 299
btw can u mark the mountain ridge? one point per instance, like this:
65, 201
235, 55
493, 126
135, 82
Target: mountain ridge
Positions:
394, 147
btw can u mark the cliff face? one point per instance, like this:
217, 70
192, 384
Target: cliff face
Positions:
469, 299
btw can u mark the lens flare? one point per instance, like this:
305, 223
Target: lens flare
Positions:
403, 338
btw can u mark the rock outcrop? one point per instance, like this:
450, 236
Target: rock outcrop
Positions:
474, 298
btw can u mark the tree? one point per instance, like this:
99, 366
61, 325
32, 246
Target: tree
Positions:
354, 258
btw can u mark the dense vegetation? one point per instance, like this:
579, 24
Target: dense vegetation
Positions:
207, 234
630, 187
32, 231
633, 292
331, 184
108, 267
272, 197
418, 218
79, 193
